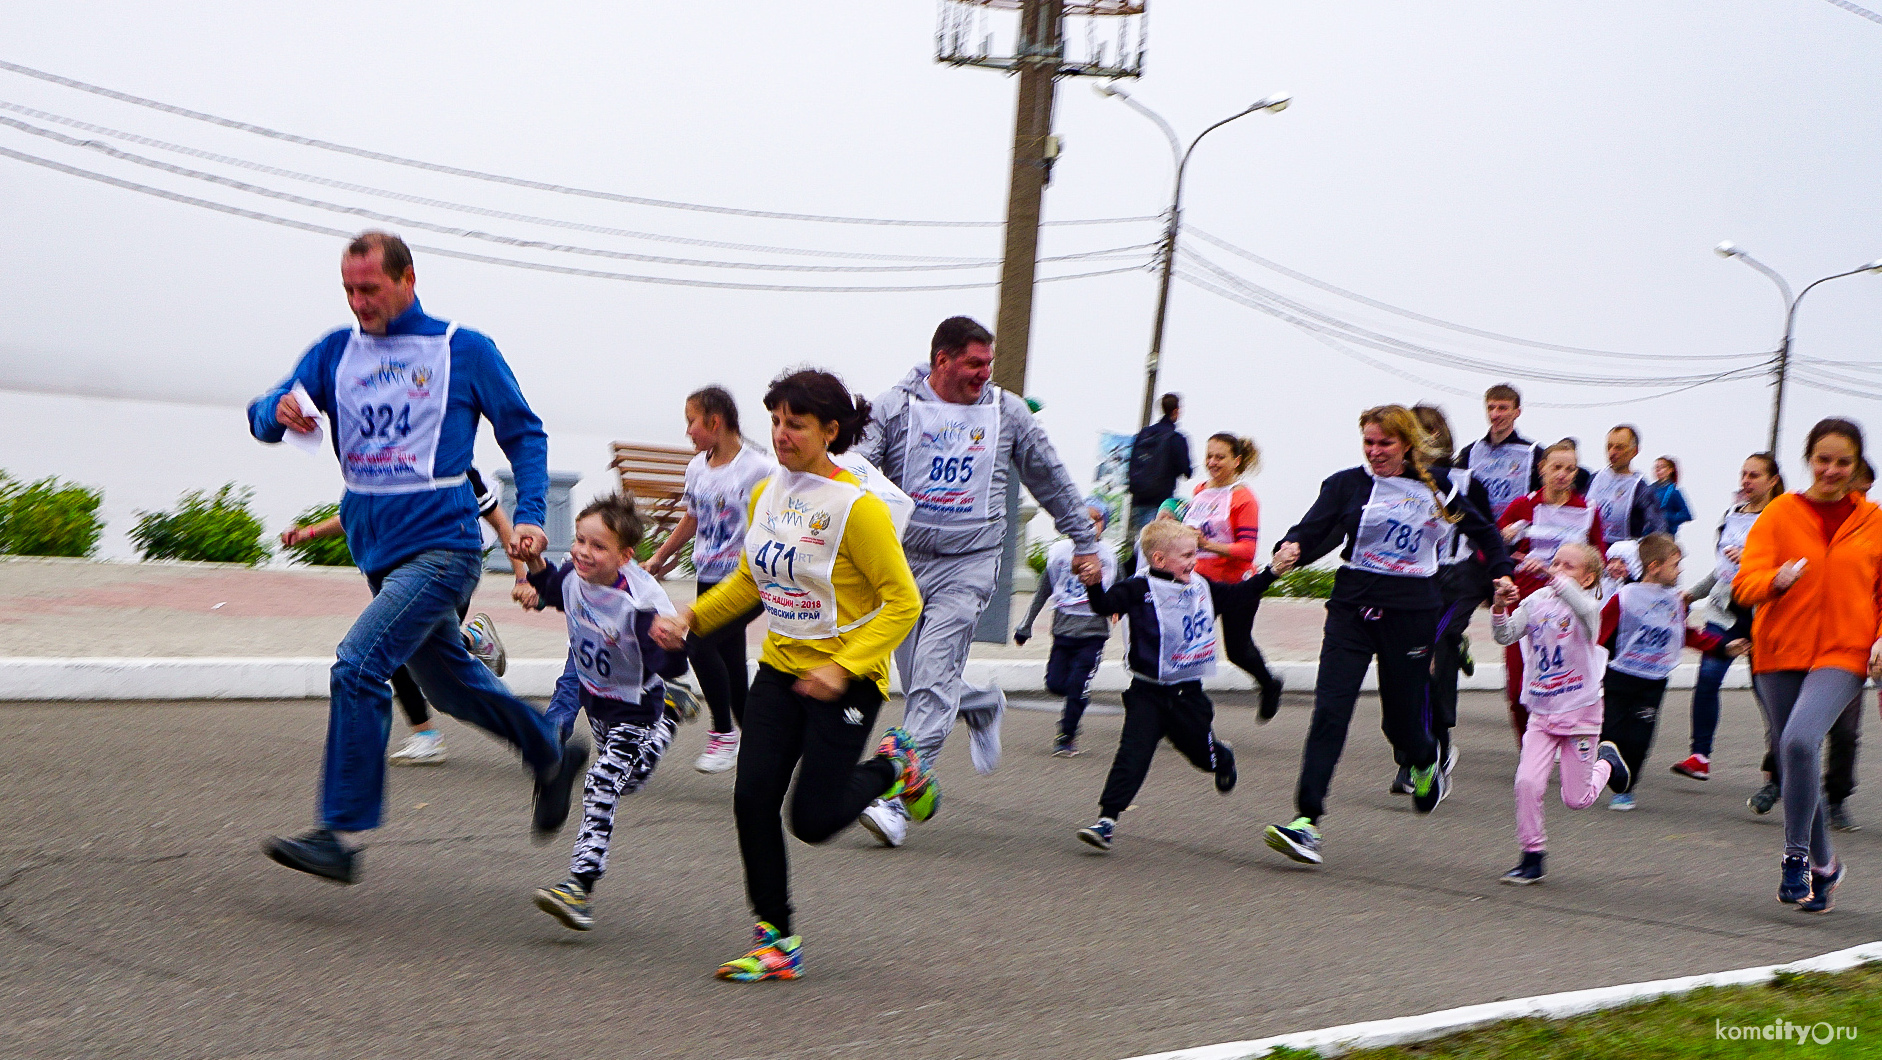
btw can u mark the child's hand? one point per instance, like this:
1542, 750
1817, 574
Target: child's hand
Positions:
1284, 563
1738, 647
660, 566
1022, 635
1507, 596
669, 631
526, 596
290, 538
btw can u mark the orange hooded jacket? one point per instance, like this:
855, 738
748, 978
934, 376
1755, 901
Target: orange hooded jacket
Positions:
1832, 616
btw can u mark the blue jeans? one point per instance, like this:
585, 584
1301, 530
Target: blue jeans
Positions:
412, 621
566, 702
1705, 694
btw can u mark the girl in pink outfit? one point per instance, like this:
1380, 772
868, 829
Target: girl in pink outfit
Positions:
1563, 661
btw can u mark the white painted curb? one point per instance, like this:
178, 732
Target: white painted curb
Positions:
25, 678
1379, 1034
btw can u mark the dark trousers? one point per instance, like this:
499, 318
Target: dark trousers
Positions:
718, 662
1238, 641
1839, 763
1069, 670
1447, 650
1629, 716
783, 728
1401, 641
1182, 713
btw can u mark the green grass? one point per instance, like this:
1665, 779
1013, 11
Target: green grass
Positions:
1678, 1028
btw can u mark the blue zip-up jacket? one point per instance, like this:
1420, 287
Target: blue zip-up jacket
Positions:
384, 530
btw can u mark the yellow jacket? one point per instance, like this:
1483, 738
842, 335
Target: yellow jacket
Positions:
870, 572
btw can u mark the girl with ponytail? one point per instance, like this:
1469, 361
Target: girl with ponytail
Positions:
1390, 519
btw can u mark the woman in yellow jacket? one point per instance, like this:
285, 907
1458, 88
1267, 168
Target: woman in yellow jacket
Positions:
1812, 570
822, 557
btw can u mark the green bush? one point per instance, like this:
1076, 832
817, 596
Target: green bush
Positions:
321, 551
1315, 583
217, 528
49, 518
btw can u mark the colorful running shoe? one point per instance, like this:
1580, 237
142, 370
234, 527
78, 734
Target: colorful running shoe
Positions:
480, 634
1429, 787
683, 701
1298, 839
772, 957
568, 902
915, 785
1466, 662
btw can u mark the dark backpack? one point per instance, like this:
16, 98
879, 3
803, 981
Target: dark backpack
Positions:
1147, 472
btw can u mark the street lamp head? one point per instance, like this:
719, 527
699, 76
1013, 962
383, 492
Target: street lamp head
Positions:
1109, 89
1874, 266
1727, 249
1273, 104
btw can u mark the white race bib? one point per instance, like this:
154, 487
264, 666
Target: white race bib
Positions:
1732, 534
1453, 550
1185, 627
792, 544
1070, 594
602, 640
717, 498
1651, 632
1555, 525
1612, 495
947, 467
1208, 512
1400, 530
389, 395
901, 508
1504, 471
1562, 665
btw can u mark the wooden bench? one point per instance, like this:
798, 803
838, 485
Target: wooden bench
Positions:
656, 476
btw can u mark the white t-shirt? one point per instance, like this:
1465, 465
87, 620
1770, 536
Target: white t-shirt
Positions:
717, 499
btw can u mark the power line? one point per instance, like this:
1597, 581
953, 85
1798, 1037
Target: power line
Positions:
1816, 384
1292, 274
445, 204
498, 178
488, 259
1853, 9
512, 241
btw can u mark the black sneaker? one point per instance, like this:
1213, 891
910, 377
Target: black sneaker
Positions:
1298, 839
1620, 778
1270, 700
1794, 886
1064, 746
1429, 787
1764, 798
554, 792
1530, 871
1466, 663
1839, 819
1099, 835
1224, 767
1401, 784
1821, 884
318, 853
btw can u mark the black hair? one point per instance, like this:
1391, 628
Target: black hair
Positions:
1170, 403
814, 392
716, 401
956, 334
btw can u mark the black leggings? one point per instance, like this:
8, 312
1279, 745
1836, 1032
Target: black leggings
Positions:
1238, 640
782, 728
1401, 641
718, 661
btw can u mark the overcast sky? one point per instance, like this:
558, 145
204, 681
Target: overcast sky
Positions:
1553, 171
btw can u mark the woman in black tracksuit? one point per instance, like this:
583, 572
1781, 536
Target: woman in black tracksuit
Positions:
1394, 517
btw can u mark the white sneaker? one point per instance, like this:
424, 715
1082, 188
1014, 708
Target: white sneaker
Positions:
1450, 760
984, 742
887, 821
481, 633
420, 749
721, 753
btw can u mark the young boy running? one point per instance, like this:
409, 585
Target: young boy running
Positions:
1078, 634
611, 603
1172, 649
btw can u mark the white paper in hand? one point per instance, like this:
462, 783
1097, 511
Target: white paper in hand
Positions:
313, 441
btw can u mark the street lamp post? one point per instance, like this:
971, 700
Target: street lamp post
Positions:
1180, 155
1780, 365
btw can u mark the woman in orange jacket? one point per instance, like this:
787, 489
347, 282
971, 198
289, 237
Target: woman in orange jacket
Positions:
1812, 569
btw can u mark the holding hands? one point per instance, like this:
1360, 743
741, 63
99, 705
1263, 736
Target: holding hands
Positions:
1506, 596
669, 631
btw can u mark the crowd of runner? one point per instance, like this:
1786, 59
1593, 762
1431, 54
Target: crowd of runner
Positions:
874, 531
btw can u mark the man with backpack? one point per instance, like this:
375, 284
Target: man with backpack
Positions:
1159, 456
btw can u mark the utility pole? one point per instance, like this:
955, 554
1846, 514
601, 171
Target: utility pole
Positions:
1039, 54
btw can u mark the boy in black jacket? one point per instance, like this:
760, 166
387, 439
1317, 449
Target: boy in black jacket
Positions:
1172, 649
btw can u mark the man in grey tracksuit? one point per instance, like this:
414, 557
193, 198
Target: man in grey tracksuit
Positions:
950, 440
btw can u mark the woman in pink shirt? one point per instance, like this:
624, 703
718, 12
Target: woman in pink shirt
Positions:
1227, 519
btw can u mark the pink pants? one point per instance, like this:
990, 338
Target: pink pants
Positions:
1583, 777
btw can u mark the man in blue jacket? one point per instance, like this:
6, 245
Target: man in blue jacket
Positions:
403, 392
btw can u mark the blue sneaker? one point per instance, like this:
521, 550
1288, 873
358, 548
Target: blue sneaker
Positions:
1620, 778
1530, 871
1795, 885
1099, 835
1821, 884
1622, 801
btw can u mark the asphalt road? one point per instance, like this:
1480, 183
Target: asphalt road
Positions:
137, 917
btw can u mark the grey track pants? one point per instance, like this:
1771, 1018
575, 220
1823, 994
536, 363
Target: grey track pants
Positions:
954, 591
1799, 708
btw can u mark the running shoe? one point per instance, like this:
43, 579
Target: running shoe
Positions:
1821, 884
318, 853
1794, 886
683, 702
1622, 801
1224, 767
1839, 819
1298, 839
1099, 835
772, 957
568, 902
481, 633
1466, 662
1764, 798
915, 792
886, 820
721, 753
1620, 778
554, 791
1429, 787
1530, 871
1401, 784
1698, 767
420, 749
1064, 746
983, 740
1270, 700
1450, 758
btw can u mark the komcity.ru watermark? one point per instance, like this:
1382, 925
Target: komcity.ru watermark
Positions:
1783, 1030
